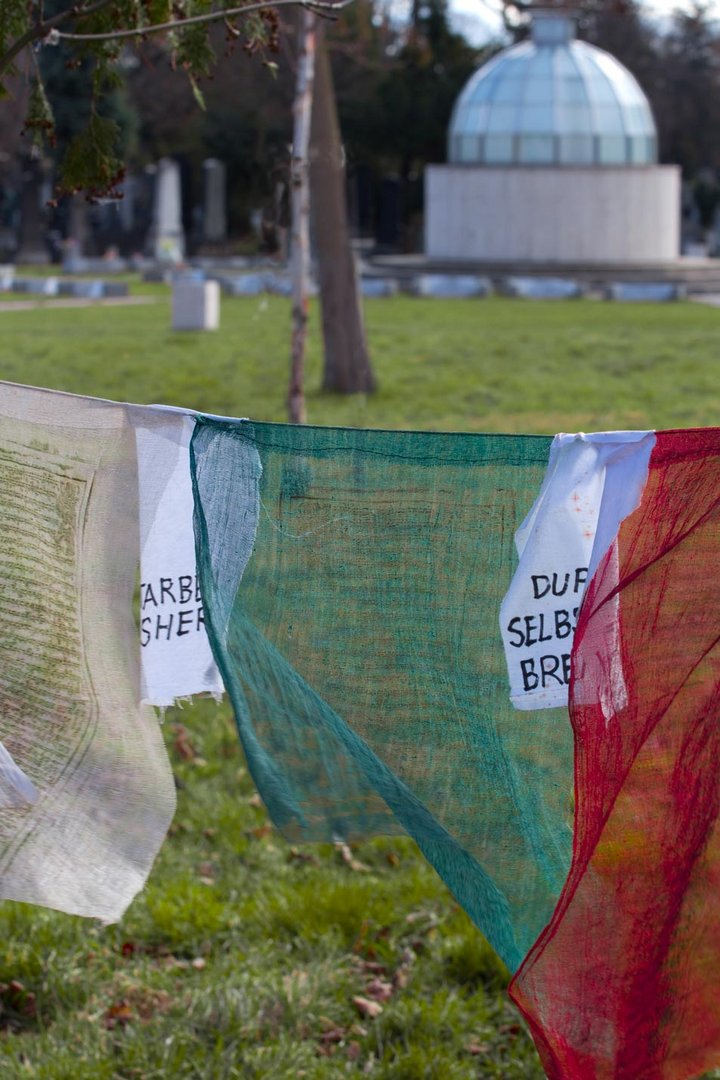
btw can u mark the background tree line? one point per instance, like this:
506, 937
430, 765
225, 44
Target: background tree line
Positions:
395, 85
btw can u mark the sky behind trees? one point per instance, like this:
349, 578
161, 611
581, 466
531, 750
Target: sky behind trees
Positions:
480, 20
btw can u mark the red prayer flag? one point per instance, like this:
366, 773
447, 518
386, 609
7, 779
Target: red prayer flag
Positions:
625, 980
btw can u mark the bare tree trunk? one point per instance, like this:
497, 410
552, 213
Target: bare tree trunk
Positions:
347, 367
300, 212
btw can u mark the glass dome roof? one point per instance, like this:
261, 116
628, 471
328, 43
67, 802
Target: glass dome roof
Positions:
552, 101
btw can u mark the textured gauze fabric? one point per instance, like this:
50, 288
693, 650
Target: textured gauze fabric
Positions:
69, 670
352, 581
625, 982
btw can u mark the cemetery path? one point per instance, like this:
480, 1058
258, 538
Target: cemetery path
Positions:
75, 302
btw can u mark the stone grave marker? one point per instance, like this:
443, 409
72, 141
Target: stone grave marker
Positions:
195, 304
648, 292
214, 202
452, 286
167, 239
542, 288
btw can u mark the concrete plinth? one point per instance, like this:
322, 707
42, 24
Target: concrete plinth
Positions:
552, 215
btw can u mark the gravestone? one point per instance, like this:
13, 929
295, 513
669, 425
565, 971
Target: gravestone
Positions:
78, 231
84, 289
126, 206
243, 285
167, 240
33, 249
452, 286
389, 212
115, 289
542, 288
281, 284
37, 286
375, 287
648, 292
214, 202
46, 286
195, 304
696, 249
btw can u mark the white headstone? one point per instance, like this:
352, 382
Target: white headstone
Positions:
167, 240
195, 305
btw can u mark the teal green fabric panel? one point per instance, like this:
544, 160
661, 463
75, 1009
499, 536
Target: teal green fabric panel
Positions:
352, 582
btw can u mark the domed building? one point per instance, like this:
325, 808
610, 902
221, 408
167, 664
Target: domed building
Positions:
552, 158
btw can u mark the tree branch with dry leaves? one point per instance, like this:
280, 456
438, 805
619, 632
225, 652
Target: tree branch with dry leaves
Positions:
98, 32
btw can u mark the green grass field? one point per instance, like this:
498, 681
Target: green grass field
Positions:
243, 956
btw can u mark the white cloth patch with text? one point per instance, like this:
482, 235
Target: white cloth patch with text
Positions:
591, 484
176, 657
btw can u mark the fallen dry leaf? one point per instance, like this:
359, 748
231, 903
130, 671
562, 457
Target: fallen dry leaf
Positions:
476, 1048
367, 1008
349, 859
379, 990
182, 745
15, 998
334, 1035
373, 967
118, 1015
148, 1002
362, 934
295, 855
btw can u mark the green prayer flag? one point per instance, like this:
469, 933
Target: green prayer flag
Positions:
352, 581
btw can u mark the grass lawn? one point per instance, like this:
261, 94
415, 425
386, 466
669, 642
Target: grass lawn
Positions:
243, 956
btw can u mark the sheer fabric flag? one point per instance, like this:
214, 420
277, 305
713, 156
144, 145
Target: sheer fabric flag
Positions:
363, 652
624, 983
69, 672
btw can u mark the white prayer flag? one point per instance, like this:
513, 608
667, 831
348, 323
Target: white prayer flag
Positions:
176, 657
592, 482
